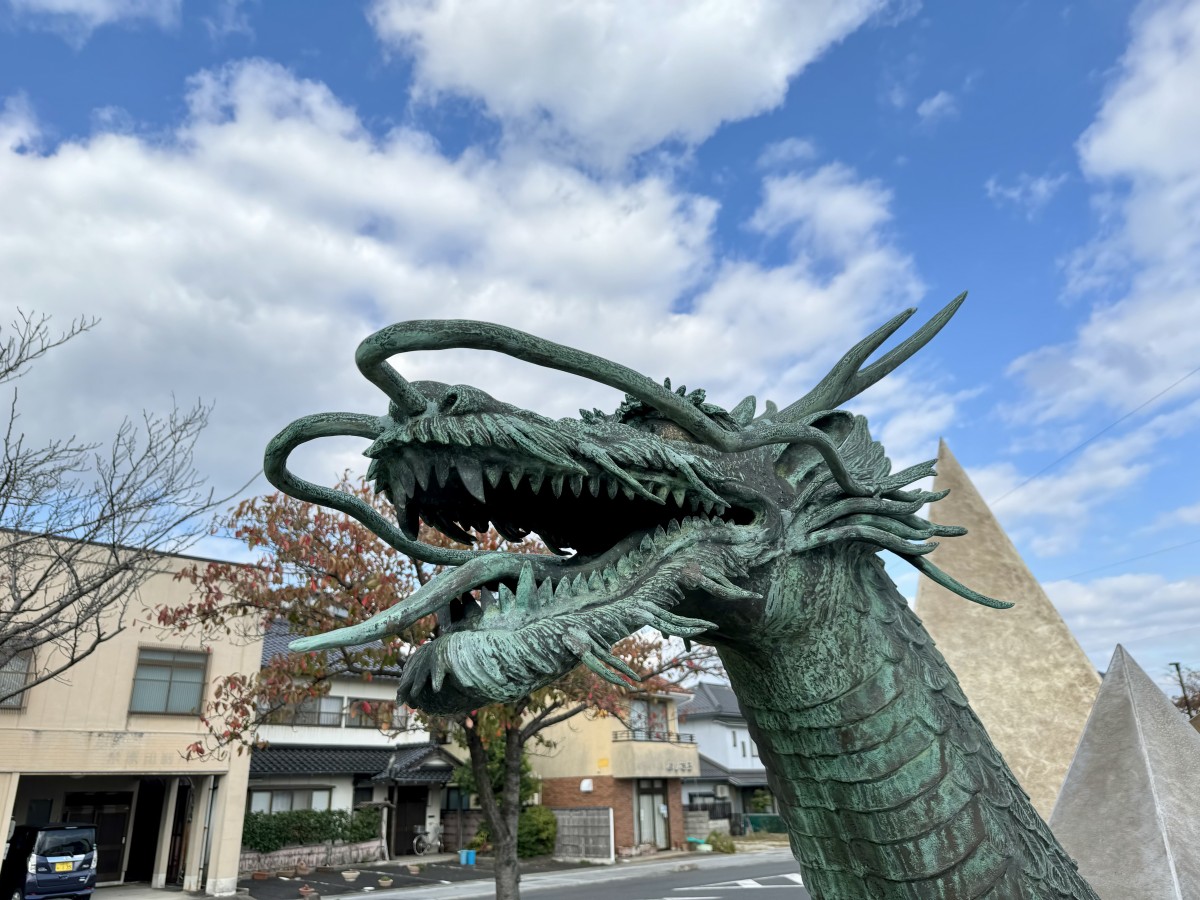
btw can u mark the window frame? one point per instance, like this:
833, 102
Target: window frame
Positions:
175, 651
17, 703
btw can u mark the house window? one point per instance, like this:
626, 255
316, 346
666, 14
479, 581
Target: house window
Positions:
323, 711
168, 681
364, 713
284, 800
733, 734
14, 675
743, 749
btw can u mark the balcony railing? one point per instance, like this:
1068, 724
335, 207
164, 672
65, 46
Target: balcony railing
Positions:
653, 734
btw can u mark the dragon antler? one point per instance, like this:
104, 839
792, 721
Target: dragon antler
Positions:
846, 379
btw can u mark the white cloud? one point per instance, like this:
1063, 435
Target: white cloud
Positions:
1053, 513
785, 153
75, 20
1140, 155
1184, 515
243, 257
1141, 611
941, 105
830, 209
1028, 193
616, 77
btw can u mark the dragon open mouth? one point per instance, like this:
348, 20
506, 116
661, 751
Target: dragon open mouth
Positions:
509, 625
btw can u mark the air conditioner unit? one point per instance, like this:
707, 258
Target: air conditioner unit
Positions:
721, 790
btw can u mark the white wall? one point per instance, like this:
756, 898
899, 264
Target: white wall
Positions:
716, 740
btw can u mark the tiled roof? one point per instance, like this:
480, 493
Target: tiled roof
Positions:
279, 635
713, 771
711, 701
316, 760
419, 764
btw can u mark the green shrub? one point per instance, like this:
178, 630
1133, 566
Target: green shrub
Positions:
537, 830
263, 832
721, 842
268, 832
363, 824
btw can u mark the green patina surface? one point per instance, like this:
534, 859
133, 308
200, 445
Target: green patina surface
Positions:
756, 532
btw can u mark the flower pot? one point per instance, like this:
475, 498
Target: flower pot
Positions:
414, 870
385, 882
260, 875
307, 892
350, 874
303, 868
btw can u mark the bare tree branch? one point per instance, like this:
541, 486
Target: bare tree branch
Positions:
82, 527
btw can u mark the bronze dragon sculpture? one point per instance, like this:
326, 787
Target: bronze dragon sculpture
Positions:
758, 534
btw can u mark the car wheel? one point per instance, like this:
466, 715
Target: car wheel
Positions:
16, 895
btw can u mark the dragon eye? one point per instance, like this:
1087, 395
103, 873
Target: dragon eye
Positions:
669, 431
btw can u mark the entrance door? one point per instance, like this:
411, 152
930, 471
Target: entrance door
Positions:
410, 815
650, 806
109, 812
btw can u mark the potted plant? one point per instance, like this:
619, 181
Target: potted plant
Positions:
350, 874
303, 868
385, 881
307, 892
261, 875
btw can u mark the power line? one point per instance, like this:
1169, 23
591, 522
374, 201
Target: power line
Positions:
1122, 562
1108, 427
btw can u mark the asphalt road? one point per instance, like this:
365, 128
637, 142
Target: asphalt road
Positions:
727, 883
710, 878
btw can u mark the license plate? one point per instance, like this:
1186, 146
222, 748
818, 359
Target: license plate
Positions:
63, 866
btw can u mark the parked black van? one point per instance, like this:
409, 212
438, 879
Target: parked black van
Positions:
49, 861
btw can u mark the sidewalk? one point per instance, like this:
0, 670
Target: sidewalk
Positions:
442, 878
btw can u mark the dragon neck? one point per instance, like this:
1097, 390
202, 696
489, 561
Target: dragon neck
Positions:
888, 783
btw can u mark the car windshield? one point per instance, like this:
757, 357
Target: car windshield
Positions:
65, 842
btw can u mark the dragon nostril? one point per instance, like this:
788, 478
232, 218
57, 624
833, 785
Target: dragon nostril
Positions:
449, 402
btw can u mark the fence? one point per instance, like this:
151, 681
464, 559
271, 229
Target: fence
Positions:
716, 809
585, 834
756, 823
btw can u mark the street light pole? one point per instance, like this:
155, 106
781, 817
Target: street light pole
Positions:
1187, 703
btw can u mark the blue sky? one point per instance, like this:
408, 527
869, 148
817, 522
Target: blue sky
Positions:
728, 193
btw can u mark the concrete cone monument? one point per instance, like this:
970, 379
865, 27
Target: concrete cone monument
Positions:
1128, 811
1024, 673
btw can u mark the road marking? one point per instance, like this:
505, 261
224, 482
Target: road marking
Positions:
793, 879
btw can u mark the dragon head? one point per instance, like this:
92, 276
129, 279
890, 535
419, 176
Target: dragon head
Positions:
669, 512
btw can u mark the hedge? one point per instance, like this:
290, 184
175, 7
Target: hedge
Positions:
268, 832
537, 830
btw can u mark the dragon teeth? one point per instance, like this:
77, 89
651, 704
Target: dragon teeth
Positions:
594, 484
494, 473
660, 491
595, 582
576, 484
535, 479
556, 483
545, 593
441, 469
472, 477
627, 491
514, 478
679, 495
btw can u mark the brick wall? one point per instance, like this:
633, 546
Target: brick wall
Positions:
675, 813
617, 793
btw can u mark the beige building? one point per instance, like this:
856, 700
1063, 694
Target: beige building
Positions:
1026, 676
106, 742
634, 769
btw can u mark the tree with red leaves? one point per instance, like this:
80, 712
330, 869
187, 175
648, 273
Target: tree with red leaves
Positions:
318, 570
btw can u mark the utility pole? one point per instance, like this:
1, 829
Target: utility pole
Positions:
1187, 703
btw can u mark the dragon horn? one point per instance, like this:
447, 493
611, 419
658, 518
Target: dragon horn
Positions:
846, 379
445, 334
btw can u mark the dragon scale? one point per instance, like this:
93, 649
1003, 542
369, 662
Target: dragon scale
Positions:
887, 781
758, 533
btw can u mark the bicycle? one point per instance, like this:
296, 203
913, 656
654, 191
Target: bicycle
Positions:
427, 840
